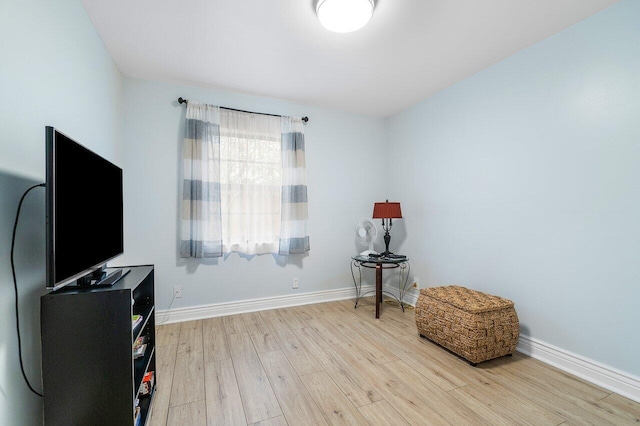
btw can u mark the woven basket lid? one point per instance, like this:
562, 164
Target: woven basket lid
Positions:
466, 299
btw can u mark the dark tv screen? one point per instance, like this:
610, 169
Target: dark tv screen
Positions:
84, 210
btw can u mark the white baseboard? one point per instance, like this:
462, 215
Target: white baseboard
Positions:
410, 298
602, 375
168, 316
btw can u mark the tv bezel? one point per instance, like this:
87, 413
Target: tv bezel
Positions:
50, 141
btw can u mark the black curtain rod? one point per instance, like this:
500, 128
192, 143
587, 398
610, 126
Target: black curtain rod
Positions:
182, 100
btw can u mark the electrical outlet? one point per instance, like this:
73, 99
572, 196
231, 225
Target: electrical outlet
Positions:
177, 291
416, 283
295, 283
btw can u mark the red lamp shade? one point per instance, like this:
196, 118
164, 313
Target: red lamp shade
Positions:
387, 210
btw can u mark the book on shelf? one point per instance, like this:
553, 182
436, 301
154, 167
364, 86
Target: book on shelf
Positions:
147, 384
140, 341
136, 416
139, 351
135, 320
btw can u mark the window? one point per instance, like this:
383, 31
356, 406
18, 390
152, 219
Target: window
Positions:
244, 185
250, 182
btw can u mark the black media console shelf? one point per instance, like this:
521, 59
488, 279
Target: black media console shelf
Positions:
89, 373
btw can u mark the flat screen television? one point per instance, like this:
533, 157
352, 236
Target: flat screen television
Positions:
83, 210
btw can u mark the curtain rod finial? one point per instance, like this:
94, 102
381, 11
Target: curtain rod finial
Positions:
181, 100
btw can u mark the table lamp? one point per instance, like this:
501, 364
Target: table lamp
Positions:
387, 212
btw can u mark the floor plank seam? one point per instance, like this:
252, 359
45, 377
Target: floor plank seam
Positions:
235, 373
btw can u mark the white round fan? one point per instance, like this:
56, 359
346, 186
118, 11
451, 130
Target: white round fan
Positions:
366, 234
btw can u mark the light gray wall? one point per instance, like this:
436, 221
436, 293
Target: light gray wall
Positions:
345, 175
524, 181
54, 70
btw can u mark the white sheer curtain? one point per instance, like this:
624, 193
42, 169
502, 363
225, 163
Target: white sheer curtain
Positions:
250, 196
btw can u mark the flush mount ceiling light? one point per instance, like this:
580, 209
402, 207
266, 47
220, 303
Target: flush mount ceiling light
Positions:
344, 16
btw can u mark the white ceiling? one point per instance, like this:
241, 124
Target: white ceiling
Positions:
410, 49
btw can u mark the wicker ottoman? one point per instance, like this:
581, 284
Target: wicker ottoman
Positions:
477, 326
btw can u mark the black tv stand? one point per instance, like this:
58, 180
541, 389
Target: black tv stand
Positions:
100, 278
90, 375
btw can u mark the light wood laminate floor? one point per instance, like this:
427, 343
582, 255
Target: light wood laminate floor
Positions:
332, 364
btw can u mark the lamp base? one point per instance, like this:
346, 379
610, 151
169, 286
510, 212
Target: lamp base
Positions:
387, 239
